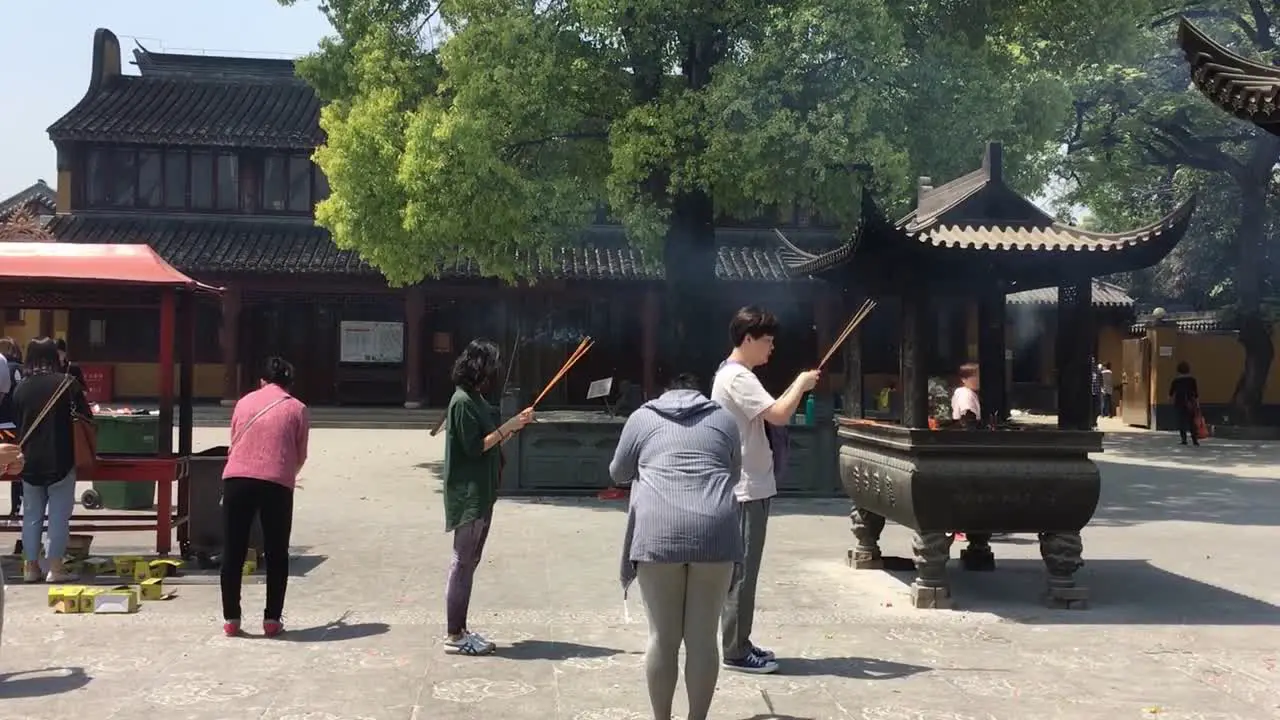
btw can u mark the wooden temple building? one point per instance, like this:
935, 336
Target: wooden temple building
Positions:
208, 160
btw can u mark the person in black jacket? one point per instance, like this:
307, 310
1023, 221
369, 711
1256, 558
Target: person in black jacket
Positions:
1186, 402
44, 404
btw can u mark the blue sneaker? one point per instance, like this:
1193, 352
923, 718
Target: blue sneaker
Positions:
752, 663
762, 653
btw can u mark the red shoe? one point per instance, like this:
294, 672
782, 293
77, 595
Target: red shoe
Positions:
272, 628
231, 628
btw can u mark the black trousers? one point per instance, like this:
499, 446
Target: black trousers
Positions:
242, 500
1186, 423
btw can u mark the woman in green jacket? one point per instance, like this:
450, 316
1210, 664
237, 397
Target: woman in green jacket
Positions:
472, 463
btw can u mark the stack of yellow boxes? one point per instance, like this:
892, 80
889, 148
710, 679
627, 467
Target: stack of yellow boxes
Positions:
148, 574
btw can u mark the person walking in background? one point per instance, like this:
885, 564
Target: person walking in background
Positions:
1095, 383
472, 470
1185, 396
270, 430
737, 389
43, 406
1108, 390
682, 454
10, 376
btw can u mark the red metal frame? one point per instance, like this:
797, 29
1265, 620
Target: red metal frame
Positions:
62, 268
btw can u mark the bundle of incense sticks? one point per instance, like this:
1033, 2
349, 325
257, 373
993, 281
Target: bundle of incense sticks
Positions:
857, 319
583, 347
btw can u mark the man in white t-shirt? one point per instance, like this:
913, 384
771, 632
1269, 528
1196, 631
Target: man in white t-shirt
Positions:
737, 389
964, 401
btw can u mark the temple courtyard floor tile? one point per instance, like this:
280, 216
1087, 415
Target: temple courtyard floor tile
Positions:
1183, 622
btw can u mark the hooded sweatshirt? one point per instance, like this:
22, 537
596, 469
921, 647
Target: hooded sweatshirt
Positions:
682, 455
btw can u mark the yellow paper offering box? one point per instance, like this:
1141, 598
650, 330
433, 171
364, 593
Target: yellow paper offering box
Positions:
86, 598
65, 598
164, 567
116, 601
141, 570
152, 589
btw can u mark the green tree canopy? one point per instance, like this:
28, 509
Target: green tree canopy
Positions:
493, 130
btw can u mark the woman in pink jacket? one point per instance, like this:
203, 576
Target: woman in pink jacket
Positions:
269, 430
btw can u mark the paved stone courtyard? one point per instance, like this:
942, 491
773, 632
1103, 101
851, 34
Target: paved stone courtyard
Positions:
1183, 623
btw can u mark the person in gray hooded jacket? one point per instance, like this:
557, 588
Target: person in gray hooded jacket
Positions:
681, 453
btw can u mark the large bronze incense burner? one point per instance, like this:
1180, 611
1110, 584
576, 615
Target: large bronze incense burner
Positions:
969, 243
1033, 480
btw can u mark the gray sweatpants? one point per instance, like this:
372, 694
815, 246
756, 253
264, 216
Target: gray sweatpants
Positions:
741, 606
683, 601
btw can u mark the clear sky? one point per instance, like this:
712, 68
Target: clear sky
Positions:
46, 48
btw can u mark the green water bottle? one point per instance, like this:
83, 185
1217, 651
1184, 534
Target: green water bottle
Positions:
808, 409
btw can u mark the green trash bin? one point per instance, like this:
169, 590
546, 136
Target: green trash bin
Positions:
126, 435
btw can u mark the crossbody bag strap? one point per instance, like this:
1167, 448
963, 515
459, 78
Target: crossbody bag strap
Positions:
44, 412
254, 419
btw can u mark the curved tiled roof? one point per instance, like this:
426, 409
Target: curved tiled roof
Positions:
979, 212
223, 113
1242, 87
1055, 238
193, 100
265, 246
37, 194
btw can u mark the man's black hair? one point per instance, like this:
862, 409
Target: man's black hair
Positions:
752, 322
684, 381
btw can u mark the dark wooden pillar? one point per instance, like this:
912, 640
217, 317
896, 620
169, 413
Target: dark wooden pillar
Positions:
649, 319
46, 323
186, 338
991, 353
1074, 343
168, 343
853, 392
415, 312
917, 329
230, 345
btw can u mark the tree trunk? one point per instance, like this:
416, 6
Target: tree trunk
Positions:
1251, 277
698, 334
698, 337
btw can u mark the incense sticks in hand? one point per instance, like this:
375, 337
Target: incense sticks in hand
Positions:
857, 319
582, 349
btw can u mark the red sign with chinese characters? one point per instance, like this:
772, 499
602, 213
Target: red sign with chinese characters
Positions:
99, 382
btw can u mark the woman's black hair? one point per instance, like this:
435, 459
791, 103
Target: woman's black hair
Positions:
684, 381
278, 371
1184, 368
42, 355
477, 367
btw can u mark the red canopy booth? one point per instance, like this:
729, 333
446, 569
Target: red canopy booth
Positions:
61, 276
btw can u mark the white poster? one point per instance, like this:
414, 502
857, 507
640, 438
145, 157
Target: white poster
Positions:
371, 342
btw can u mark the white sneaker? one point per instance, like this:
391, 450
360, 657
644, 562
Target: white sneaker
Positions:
469, 644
